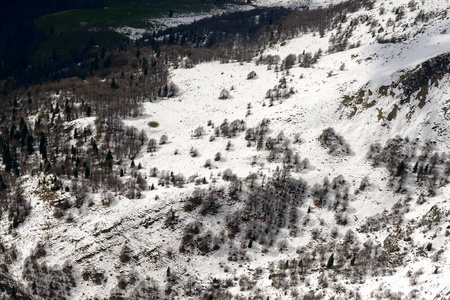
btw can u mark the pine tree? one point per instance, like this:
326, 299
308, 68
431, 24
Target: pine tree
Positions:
415, 167
23, 131
43, 146
94, 146
400, 169
109, 155
7, 158
2, 184
330, 261
29, 144
109, 159
16, 222
88, 111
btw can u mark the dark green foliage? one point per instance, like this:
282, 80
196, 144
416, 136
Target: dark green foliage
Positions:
415, 167
114, 85
16, 222
429, 246
330, 261
88, 111
43, 145
2, 184
109, 155
87, 172
7, 158
400, 169
29, 144
250, 244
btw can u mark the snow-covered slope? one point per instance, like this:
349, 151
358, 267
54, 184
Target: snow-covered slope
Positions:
150, 230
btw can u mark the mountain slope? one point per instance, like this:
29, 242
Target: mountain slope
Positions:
315, 194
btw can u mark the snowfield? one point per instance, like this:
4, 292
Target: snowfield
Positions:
95, 238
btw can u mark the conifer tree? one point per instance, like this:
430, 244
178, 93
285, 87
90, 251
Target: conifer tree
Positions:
7, 158
43, 146
29, 144
400, 169
330, 261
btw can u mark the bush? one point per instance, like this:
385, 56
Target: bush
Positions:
335, 143
218, 156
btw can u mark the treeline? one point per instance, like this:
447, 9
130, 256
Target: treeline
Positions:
238, 36
241, 35
19, 35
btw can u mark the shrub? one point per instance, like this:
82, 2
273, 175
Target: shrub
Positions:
335, 143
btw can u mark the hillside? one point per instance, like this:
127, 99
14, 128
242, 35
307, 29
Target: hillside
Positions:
322, 175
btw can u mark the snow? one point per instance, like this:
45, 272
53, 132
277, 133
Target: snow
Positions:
315, 105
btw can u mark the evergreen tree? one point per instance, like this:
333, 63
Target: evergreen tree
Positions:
109, 155
7, 158
330, 261
29, 144
2, 184
23, 131
109, 159
94, 146
400, 169
43, 146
